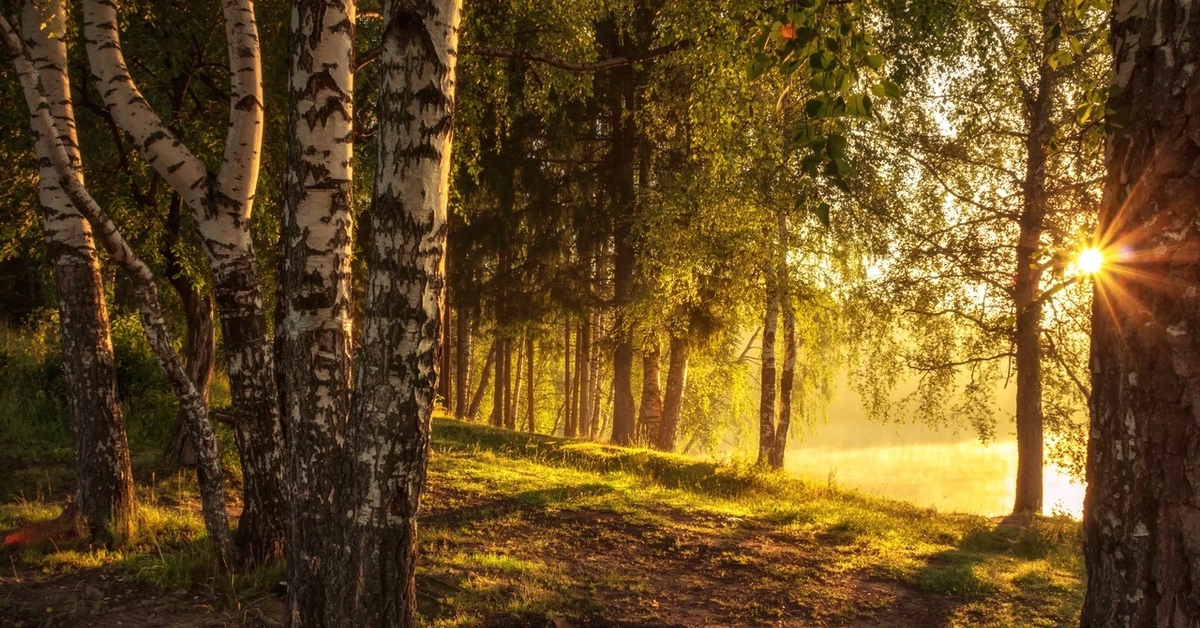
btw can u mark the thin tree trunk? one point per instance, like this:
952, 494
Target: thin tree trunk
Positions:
1026, 297
104, 497
499, 387
585, 378
673, 399
462, 366
786, 379
221, 204
650, 413
314, 333
200, 344
1142, 509
477, 398
50, 138
766, 406
445, 370
398, 363
530, 406
568, 381
514, 389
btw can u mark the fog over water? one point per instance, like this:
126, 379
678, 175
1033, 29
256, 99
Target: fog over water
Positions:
937, 468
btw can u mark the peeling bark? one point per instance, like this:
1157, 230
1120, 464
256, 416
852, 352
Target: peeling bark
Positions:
766, 406
1141, 516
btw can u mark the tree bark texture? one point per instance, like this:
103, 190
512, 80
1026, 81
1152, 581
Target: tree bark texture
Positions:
397, 366
530, 397
766, 406
568, 383
1141, 516
651, 408
70, 182
584, 422
221, 204
104, 496
315, 294
787, 377
200, 340
677, 366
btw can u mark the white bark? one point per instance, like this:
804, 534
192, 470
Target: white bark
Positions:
66, 171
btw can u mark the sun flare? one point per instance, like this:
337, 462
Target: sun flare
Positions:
1091, 260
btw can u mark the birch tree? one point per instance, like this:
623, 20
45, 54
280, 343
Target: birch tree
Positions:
1142, 508
63, 170
397, 366
221, 202
314, 293
104, 496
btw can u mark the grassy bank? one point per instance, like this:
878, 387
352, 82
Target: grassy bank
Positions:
530, 531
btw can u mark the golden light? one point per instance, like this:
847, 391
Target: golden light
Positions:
1090, 261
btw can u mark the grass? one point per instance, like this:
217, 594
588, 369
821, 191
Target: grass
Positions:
534, 527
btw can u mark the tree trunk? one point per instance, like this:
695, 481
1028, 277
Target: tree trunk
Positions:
585, 378
677, 366
445, 370
477, 398
650, 413
786, 379
1026, 295
221, 204
568, 382
498, 389
514, 389
530, 406
70, 182
315, 293
199, 345
462, 366
398, 363
104, 496
766, 406
1142, 509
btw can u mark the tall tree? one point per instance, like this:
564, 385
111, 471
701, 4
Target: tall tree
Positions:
397, 367
1142, 506
49, 134
314, 303
221, 204
104, 496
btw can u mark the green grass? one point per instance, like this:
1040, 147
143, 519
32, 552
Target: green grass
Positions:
538, 526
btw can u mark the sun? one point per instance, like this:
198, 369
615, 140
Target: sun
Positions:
1090, 261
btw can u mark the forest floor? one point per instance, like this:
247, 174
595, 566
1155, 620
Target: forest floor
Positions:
524, 530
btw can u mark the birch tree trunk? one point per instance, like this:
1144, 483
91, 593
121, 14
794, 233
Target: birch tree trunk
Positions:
397, 366
677, 365
568, 382
199, 346
1141, 515
70, 182
766, 406
651, 408
586, 396
498, 389
315, 292
787, 377
221, 204
104, 497
530, 399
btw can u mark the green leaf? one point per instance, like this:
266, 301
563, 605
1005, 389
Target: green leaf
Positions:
874, 61
815, 107
822, 212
